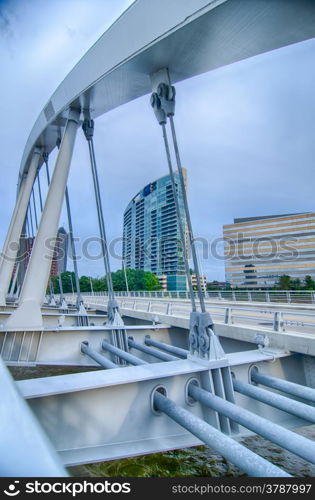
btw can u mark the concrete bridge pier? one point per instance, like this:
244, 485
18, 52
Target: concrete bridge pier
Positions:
11, 245
28, 314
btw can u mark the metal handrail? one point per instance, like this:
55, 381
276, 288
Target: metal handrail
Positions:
286, 296
276, 320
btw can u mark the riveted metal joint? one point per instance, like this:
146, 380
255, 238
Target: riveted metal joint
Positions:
193, 332
205, 326
45, 157
112, 307
157, 108
88, 129
166, 94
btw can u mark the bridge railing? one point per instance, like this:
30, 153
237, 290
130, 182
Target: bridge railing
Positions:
271, 319
281, 296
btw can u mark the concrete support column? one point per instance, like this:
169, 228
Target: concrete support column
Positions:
28, 314
11, 245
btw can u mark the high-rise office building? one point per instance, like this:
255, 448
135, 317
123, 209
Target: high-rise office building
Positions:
151, 239
259, 250
59, 261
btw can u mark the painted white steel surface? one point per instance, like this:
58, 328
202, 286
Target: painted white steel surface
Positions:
28, 313
22, 436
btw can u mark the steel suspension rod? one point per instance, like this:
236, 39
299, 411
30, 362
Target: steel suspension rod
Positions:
162, 119
182, 353
101, 219
101, 360
188, 218
289, 440
14, 280
288, 405
39, 192
179, 218
27, 225
31, 218
203, 342
45, 158
153, 352
119, 336
60, 288
35, 211
73, 250
130, 358
72, 244
249, 462
283, 385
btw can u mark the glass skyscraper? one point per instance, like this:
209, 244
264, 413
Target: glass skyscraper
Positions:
151, 239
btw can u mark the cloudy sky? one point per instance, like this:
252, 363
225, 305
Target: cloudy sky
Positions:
246, 131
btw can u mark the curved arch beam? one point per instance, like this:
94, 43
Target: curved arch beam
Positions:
188, 38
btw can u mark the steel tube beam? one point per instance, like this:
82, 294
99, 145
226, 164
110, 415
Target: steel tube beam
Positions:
28, 314
152, 352
11, 245
249, 462
283, 385
101, 360
299, 445
134, 360
166, 347
296, 408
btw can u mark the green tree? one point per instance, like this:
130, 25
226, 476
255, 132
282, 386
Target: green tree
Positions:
65, 280
138, 280
296, 284
151, 282
119, 282
68, 281
309, 283
55, 284
100, 284
85, 284
284, 282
